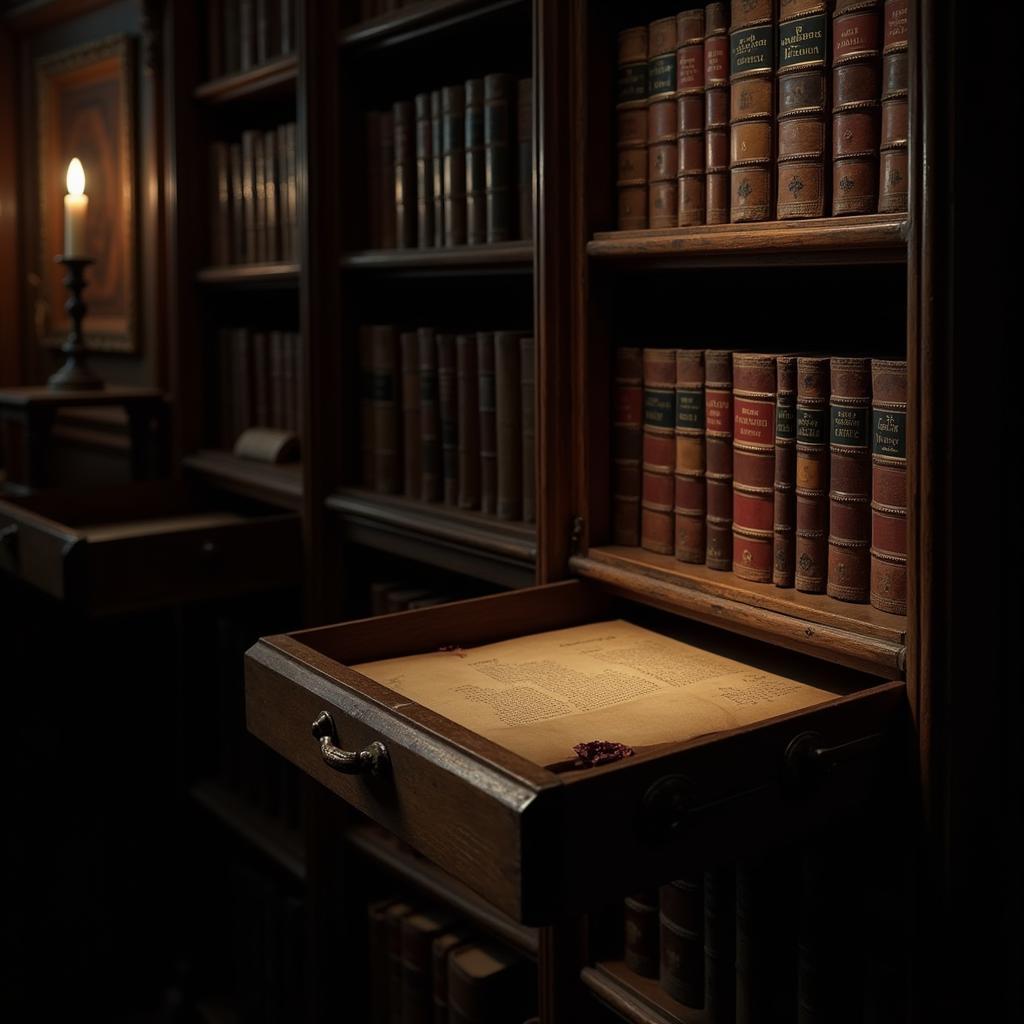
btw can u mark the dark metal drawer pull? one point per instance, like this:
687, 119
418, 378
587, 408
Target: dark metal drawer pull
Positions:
370, 760
807, 759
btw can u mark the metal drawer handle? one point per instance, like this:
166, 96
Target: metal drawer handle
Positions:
370, 760
807, 760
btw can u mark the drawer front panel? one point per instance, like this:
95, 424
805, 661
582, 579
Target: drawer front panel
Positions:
35, 549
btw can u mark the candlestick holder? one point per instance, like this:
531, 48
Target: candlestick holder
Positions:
74, 375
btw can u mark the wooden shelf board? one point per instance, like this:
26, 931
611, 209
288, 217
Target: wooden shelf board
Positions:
251, 274
852, 634
495, 257
277, 75
419, 19
267, 834
639, 1000
380, 846
870, 238
281, 485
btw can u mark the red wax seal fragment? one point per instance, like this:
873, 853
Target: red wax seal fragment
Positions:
597, 752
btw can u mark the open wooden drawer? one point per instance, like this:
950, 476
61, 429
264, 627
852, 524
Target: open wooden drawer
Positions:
144, 545
538, 841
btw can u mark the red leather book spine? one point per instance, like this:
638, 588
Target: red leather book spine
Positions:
690, 491
892, 169
387, 476
424, 172
849, 534
453, 175
753, 453
437, 164
716, 111
627, 445
448, 403
785, 471
812, 465
405, 175
388, 209
682, 939
527, 375
856, 44
889, 485
508, 419
803, 108
430, 417
662, 158
476, 184
488, 427
641, 933
524, 149
631, 129
498, 156
468, 420
690, 117
411, 453
658, 496
366, 417
718, 447
751, 110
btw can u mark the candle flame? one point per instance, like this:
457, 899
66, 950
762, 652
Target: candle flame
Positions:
76, 177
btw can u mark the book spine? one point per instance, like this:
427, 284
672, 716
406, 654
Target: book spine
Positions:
374, 178
249, 194
293, 187
627, 446
720, 944
238, 206
856, 35
690, 490
367, 338
387, 430
812, 465
524, 148
889, 485
849, 535
716, 111
448, 401
690, 167
260, 196
272, 215
411, 453
388, 209
476, 183
662, 139
468, 421
751, 110
424, 172
527, 372
785, 471
631, 128
220, 193
286, 217
498, 156
892, 167
437, 166
453, 147
803, 106
753, 453
658, 485
682, 940
405, 175
718, 443
430, 417
508, 418
488, 425
442, 946
641, 933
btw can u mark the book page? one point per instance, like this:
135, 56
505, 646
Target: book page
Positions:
540, 695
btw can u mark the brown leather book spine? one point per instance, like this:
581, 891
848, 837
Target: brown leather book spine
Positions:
849, 534
424, 172
220, 204
659, 452
662, 144
892, 168
631, 129
641, 933
718, 457
524, 149
627, 445
430, 417
468, 420
411, 452
682, 940
812, 466
751, 110
387, 428
753, 453
508, 418
366, 416
453, 170
803, 108
690, 489
720, 944
418, 934
405, 174
260, 196
527, 373
856, 44
498, 156
293, 187
249, 195
272, 204
785, 471
448, 404
716, 111
690, 118
442, 946
486, 984
238, 206
476, 182
388, 208
488, 426
889, 485
437, 163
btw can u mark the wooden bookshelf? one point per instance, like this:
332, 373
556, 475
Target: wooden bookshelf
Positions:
636, 999
274, 78
416, 20
251, 275
497, 257
280, 485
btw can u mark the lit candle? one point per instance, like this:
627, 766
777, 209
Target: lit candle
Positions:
76, 206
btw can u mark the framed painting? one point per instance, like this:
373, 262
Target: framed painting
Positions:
86, 105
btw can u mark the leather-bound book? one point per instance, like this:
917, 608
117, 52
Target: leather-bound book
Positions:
856, 44
476, 180
468, 420
418, 934
236, 197
716, 111
453, 163
498, 156
271, 206
411, 448
662, 139
260, 196
720, 944
487, 984
488, 425
387, 425
293, 186
753, 465
718, 456
682, 939
388, 210
803, 108
631, 129
437, 163
448, 404
249, 195
690, 491
812, 464
527, 373
430, 417
785, 471
374, 178
659, 451
849, 532
508, 407
395, 914
889, 485
424, 172
690, 166
641, 933
751, 110
442, 946
627, 445
405, 175
220, 204
367, 419
892, 165
524, 150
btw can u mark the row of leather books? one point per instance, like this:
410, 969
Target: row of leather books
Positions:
428, 965
450, 417
260, 381
784, 469
763, 110
254, 197
453, 166
243, 34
